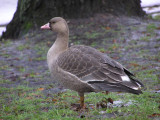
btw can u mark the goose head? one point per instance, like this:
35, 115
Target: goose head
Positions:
56, 24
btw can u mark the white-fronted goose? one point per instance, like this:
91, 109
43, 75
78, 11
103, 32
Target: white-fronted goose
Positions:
83, 68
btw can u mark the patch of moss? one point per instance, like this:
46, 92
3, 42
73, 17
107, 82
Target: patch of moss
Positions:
26, 27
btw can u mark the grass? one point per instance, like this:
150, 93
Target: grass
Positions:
92, 35
23, 103
6, 43
22, 47
30, 103
151, 27
112, 47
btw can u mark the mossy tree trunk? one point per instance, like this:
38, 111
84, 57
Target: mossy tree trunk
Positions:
33, 13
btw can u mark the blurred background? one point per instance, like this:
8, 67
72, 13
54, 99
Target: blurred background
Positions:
8, 8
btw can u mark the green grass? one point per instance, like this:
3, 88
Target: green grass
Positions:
92, 35
40, 58
22, 47
151, 27
113, 47
21, 68
145, 38
23, 103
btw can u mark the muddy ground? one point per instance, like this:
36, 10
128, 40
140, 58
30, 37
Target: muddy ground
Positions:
133, 41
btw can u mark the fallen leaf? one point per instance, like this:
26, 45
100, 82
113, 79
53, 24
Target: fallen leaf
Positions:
40, 89
114, 47
108, 28
54, 100
155, 115
114, 41
134, 64
48, 99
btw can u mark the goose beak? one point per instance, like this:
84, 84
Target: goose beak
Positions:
45, 27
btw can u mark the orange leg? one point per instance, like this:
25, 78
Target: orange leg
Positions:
81, 99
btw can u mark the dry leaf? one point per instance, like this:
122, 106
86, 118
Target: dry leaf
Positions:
155, 115
114, 41
108, 28
54, 100
40, 89
134, 64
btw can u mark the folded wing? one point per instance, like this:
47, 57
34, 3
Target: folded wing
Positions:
98, 70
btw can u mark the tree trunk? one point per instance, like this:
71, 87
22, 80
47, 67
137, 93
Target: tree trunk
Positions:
33, 13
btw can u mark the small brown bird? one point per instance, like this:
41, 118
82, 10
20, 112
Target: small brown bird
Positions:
83, 68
